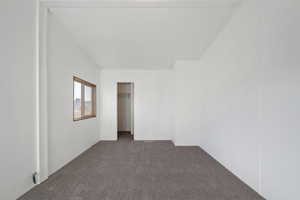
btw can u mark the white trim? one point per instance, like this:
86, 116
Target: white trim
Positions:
43, 103
132, 108
37, 88
136, 4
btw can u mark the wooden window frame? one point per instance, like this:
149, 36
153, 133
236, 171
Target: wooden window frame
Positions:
94, 102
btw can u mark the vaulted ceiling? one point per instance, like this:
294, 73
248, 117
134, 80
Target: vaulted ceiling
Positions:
145, 36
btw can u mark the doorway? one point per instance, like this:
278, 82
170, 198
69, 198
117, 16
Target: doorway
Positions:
125, 109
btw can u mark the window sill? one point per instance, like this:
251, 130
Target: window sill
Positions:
84, 117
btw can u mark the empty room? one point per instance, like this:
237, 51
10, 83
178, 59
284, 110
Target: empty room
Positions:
150, 100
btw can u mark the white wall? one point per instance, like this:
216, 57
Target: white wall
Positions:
17, 102
152, 103
187, 118
245, 95
67, 139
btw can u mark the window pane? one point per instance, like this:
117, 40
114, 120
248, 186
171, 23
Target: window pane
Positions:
88, 100
77, 100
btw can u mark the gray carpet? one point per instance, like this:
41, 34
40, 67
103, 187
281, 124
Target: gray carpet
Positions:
137, 170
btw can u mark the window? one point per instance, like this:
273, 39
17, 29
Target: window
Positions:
84, 99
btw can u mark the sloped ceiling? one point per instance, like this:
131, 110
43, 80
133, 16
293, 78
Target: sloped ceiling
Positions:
144, 37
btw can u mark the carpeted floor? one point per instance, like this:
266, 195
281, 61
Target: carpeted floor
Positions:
137, 170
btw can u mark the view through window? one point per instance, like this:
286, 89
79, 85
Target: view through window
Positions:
84, 99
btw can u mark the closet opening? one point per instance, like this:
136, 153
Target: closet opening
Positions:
125, 110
